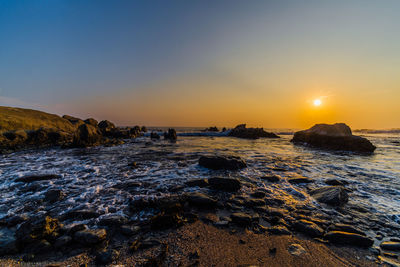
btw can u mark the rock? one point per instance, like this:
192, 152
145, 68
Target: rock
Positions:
344, 238
201, 200
80, 214
91, 121
73, 120
308, 228
197, 182
271, 178
345, 228
241, 131
222, 162
34, 230
87, 135
154, 135
129, 230
170, 135
105, 257
300, 180
241, 219
143, 129
278, 230
53, 195
90, 237
296, 250
336, 182
334, 137
258, 194
8, 244
211, 129
37, 177
224, 184
113, 221
332, 195
106, 127
165, 220
62, 241
390, 245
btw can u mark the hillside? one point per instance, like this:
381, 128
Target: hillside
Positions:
28, 119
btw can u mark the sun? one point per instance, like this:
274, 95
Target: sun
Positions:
317, 102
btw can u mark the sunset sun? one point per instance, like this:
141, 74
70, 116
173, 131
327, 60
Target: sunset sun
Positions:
317, 102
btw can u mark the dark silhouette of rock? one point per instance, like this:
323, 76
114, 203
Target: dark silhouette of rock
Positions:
211, 129
143, 129
86, 136
201, 200
390, 245
90, 237
154, 135
344, 238
334, 137
332, 195
241, 131
224, 184
91, 121
222, 162
106, 127
170, 135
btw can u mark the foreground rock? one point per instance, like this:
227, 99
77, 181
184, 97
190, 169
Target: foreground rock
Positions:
224, 184
332, 195
241, 131
334, 137
222, 162
87, 135
390, 245
352, 239
90, 237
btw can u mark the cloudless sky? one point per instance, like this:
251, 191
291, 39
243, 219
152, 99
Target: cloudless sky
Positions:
202, 63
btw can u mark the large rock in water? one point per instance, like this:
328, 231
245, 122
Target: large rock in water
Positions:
222, 162
332, 195
333, 136
241, 131
87, 135
106, 127
170, 135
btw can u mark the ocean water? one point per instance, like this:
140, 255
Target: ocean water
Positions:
101, 179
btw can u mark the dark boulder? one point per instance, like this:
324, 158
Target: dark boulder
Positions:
308, 228
35, 230
87, 135
300, 180
54, 195
90, 237
334, 137
106, 127
197, 182
113, 221
332, 195
92, 122
241, 131
222, 162
143, 129
224, 184
154, 135
170, 135
241, 219
201, 200
390, 245
106, 257
344, 238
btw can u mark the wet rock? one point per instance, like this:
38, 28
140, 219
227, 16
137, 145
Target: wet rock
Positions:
241, 131
308, 228
390, 245
37, 177
344, 238
222, 162
332, 195
105, 257
154, 135
334, 137
278, 230
300, 180
62, 241
129, 230
170, 135
336, 182
113, 221
34, 230
91, 121
14, 220
241, 219
197, 182
201, 200
296, 250
271, 178
90, 237
87, 135
54, 195
224, 184
8, 244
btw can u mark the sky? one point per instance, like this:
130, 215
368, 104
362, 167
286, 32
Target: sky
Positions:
204, 63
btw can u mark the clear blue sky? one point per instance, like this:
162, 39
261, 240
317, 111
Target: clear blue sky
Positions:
204, 62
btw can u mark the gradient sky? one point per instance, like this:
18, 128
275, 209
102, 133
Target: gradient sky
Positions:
203, 63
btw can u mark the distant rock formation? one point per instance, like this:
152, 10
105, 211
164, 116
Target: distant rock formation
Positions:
334, 137
211, 129
241, 131
170, 135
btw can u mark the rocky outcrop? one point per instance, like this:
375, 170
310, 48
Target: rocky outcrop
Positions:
106, 127
75, 121
211, 129
332, 195
87, 135
170, 135
241, 131
222, 162
334, 137
344, 238
91, 121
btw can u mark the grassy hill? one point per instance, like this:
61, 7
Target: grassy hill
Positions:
28, 119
